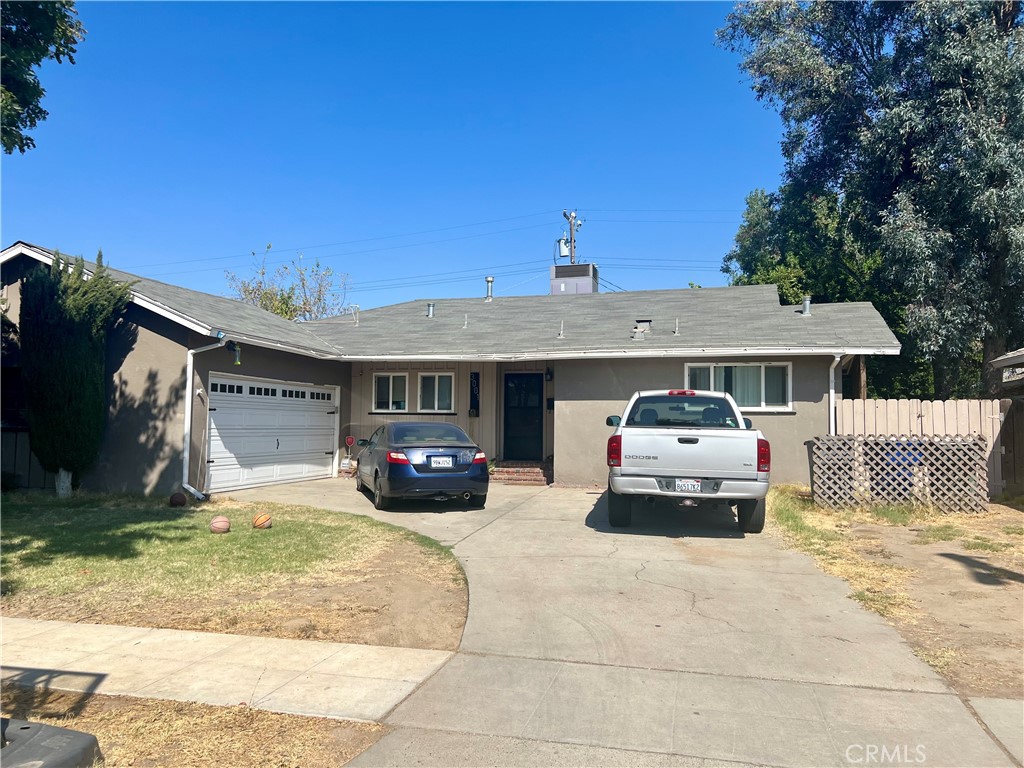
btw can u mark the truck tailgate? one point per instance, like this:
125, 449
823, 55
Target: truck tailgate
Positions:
717, 453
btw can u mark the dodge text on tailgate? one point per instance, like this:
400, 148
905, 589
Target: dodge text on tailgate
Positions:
692, 446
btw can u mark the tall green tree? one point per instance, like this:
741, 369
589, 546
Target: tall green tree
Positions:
64, 323
31, 33
909, 117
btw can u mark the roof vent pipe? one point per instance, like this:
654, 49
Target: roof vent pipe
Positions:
430, 309
490, 288
807, 306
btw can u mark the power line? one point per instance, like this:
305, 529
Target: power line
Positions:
474, 274
610, 284
441, 281
375, 250
663, 221
361, 240
665, 210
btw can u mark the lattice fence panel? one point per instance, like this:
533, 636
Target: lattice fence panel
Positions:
948, 473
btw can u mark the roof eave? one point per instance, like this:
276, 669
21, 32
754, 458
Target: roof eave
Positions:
146, 302
139, 299
280, 346
596, 354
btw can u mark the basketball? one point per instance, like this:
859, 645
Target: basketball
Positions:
220, 524
178, 499
262, 520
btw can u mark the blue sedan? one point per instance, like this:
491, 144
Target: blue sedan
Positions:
422, 460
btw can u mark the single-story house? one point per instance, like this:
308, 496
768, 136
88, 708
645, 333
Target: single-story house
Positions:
214, 395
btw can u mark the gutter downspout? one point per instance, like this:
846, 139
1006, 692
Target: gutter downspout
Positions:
190, 395
832, 395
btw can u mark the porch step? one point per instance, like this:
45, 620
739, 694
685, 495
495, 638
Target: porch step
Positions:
522, 473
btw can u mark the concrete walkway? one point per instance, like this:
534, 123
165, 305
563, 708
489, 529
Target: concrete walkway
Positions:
677, 642
339, 680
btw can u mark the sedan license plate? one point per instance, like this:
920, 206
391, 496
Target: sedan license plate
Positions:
441, 462
687, 486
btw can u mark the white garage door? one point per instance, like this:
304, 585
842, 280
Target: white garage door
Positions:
269, 431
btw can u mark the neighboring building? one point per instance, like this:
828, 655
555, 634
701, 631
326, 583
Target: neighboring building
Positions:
221, 395
1011, 433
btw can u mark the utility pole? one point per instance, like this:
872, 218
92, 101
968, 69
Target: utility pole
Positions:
574, 225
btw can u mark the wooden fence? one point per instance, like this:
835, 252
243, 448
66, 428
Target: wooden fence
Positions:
930, 418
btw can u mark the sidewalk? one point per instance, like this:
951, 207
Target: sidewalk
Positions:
300, 677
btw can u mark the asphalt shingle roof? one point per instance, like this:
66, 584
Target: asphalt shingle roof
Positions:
712, 319
719, 321
235, 318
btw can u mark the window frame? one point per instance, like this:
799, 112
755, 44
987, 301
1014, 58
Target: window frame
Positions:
390, 377
763, 407
419, 391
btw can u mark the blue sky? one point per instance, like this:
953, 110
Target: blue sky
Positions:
415, 147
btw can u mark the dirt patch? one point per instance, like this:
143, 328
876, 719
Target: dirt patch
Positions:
967, 591
404, 595
144, 733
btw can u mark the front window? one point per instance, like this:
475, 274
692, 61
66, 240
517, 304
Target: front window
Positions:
753, 386
436, 392
389, 392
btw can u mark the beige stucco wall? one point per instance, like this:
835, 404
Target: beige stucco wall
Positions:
487, 429
588, 391
142, 444
262, 363
484, 429
142, 441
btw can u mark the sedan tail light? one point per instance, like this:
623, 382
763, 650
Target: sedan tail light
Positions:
764, 455
615, 451
397, 457
480, 458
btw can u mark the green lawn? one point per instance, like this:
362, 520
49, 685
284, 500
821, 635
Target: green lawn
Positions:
55, 547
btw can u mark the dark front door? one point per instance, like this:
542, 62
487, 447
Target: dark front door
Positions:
524, 417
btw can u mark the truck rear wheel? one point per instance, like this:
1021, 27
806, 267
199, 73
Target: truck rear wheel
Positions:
750, 515
620, 509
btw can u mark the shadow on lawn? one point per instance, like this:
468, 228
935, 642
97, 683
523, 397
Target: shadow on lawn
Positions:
28, 696
985, 572
39, 529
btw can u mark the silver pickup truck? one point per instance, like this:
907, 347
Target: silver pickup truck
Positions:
691, 446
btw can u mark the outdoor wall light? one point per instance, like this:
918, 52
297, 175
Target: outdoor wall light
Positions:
549, 374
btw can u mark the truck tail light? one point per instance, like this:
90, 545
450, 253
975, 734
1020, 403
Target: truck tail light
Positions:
764, 455
615, 451
397, 457
682, 392
480, 458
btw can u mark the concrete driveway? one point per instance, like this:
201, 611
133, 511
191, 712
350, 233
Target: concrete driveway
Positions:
677, 641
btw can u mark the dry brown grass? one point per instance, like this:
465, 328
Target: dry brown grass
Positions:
142, 733
823, 534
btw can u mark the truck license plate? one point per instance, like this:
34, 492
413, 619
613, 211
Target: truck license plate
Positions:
443, 462
687, 486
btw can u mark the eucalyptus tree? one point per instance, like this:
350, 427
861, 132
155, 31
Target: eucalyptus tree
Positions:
910, 116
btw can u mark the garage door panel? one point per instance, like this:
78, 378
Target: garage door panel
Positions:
234, 476
258, 439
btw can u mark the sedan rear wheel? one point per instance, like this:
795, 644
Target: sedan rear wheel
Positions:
380, 501
477, 502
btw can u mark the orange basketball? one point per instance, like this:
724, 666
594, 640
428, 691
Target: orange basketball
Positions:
220, 524
262, 520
